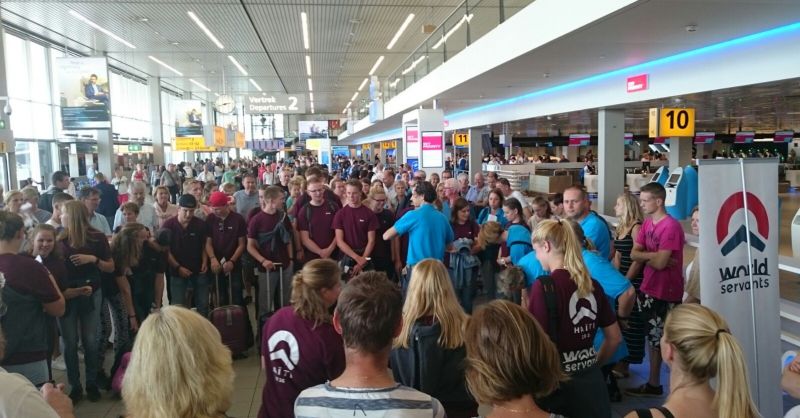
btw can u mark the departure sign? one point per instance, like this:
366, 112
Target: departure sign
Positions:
672, 122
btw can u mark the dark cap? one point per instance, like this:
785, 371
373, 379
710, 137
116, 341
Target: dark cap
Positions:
187, 201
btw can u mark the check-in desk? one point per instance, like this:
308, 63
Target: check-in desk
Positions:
590, 183
549, 183
636, 181
793, 177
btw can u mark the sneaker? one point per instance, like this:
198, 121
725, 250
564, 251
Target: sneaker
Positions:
646, 390
59, 364
76, 394
92, 393
103, 381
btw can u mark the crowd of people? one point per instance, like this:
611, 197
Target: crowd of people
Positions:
350, 271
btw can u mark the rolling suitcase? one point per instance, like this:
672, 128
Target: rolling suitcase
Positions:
277, 300
231, 321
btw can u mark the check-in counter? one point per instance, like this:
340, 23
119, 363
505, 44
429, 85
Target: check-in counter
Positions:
590, 183
549, 184
636, 181
793, 177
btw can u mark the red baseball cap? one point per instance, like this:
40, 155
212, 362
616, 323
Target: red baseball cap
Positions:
218, 200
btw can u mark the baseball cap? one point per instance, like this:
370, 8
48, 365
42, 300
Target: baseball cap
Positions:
187, 201
218, 199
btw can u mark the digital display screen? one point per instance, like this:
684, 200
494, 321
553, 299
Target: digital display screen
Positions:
674, 178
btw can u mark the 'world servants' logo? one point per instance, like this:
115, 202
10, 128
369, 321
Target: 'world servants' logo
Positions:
754, 205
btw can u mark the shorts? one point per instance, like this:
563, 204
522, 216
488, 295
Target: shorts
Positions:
654, 312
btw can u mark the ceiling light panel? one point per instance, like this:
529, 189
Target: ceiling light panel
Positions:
205, 29
363, 83
310, 85
311, 97
400, 31
253, 82
199, 84
377, 64
113, 35
165, 65
308, 65
304, 24
354, 96
238, 66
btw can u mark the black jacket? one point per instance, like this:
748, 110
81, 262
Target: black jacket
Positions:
429, 368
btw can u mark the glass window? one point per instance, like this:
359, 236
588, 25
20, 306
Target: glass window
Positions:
16, 67
40, 85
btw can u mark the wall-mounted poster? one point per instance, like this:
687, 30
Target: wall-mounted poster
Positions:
312, 129
85, 98
188, 118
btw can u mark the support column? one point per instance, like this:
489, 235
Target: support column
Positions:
611, 154
105, 152
156, 127
74, 161
680, 152
475, 154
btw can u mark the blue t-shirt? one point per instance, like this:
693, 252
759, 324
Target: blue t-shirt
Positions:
597, 231
614, 284
532, 268
429, 232
446, 209
518, 242
483, 217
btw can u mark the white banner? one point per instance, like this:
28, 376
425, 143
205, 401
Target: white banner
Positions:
739, 265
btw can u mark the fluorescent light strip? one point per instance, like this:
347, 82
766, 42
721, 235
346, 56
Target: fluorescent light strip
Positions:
165, 65
347, 106
363, 83
310, 86
253, 82
198, 84
354, 96
453, 30
414, 64
239, 66
308, 65
216, 94
635, 68
101, 29
400, 31
203, 27
312, 107
377, 64
311, 97
393, 84
304, 21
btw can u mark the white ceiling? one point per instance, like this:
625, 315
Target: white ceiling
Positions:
265, 36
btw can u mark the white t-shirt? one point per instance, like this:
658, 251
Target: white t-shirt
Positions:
19, 398
522, 201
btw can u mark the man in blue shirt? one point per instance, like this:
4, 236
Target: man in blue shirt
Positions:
429, 232
576, 207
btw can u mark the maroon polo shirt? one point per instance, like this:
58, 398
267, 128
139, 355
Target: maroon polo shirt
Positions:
264, 222
96, 245
468, 230
383, 249
187, 245
225, 234
306, 198
356, 223
318, 222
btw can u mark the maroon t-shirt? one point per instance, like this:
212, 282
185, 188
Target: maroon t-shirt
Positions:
578, 319
404, 238
469, 230
187, 245
383, 249
225, 233
318, 221
96, 245
356, 223
264, 222
305, 198
298, 356
58, 269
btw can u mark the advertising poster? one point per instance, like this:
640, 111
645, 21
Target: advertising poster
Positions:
739, 267
312, 129
188, 118
411, 140
432, 150
84, 94
340, 151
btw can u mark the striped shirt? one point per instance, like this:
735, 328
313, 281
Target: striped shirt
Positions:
392, 402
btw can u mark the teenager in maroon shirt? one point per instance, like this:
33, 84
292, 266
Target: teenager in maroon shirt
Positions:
355, 226
187, 257
315, 223
382, 254
299, 347
225, 245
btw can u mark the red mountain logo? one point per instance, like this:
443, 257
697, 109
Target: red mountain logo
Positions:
733, 203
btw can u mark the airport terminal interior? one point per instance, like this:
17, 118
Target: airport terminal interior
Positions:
210, 169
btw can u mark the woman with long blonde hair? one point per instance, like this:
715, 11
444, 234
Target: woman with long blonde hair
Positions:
698, 346
316, 353
428, 354
86, 254
182, 340
572, 307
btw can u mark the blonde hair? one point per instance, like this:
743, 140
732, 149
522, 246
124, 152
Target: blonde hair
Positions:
76, 231
431, 293
182, 352
631, 213
307, 285
706, 349
298, 181
228, 188
29, 192
490, 233
509, 355
160, 189
12, 194
562, 238
125, 250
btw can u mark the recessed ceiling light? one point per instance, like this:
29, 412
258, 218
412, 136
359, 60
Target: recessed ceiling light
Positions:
165, 65
175, 43
308, 65
310, 86
143, 19
304, 22
400, 31
354, 96
311, 96
203, 27
237, 65
84, 19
